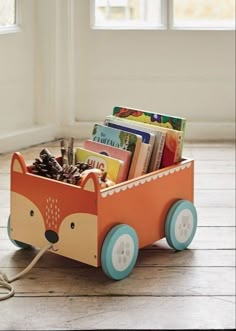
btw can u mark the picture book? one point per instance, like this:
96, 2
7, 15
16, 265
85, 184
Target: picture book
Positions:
111, 151
164, 120
175, 127
148, 140
157, 132
120, 139
155, 162
113, 167
172, 145
143, 161
114, 122
172, 150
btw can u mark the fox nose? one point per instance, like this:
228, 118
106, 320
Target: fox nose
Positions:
51, 236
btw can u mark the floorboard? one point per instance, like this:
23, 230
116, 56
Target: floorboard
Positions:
125, 312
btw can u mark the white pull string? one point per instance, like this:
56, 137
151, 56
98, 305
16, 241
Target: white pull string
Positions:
5, 281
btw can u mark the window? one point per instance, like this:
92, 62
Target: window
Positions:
128, 13
7, 13
152, 14
209, 14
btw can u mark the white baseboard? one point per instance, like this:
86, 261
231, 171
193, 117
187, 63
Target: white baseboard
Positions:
195, 131
79, 130
16, 140
214, 131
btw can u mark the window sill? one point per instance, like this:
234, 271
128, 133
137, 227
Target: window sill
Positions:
9, 29
193, 28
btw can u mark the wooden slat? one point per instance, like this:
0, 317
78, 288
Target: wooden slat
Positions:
214, 182
213, 167
214, 198
147, 257
82, 313
211, 152
214, 238
5, 164
4, 214
216, 216
161, 281
5, 182
5, 198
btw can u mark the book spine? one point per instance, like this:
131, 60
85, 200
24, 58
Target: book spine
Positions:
157, 152
148, 158
143, 160
178, 154
157, 162
134, 160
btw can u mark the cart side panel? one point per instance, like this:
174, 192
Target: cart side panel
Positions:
45, 210
143, 203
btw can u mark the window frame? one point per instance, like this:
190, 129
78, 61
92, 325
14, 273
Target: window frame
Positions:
167, 19
14, 27
162, 26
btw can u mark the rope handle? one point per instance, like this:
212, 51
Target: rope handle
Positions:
5, 281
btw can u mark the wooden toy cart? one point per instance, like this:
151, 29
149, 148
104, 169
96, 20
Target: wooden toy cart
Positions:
103, 227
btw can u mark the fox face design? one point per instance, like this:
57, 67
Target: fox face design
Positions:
44, 210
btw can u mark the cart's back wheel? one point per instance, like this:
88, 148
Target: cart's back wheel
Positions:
15, 242
181, 224
119, 251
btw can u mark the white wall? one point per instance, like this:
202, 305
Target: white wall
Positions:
45, 60
17, 73
58, 76
186, 73
21, 70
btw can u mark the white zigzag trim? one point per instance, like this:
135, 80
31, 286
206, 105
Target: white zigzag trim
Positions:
141, 181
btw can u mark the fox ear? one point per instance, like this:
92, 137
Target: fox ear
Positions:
90, 183
18, 164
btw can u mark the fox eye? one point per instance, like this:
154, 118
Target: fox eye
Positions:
31, 212
72, 225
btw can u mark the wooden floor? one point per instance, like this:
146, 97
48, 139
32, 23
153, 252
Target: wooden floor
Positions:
192, 289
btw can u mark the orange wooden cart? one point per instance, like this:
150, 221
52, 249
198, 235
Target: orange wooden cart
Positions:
103, 227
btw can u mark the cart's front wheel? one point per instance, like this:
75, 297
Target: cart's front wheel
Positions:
181, 224
15, 242
119, 251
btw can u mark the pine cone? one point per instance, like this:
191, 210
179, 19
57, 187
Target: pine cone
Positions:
81, 166
69, 174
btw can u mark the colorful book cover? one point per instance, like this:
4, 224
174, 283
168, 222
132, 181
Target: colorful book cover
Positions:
113, 167
111, 151
172, 152
172, 149
148, 140
120, 139
164, 120
171, 146
157, 132
147, 137
174, 139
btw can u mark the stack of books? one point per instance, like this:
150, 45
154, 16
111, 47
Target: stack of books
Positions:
133, 142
